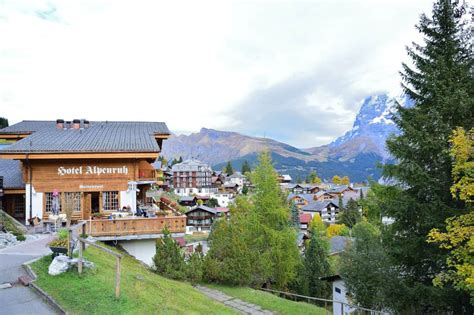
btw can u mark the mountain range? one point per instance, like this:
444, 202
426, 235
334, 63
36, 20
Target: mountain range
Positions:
357, 153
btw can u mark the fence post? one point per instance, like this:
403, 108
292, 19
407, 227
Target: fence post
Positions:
83, 245
69, 240
79, 265
117, 278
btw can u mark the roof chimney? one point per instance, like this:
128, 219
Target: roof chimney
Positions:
67, 125
86, 123
59, 123
76, 124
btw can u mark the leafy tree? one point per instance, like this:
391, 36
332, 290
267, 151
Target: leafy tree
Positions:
246, 168
313, 178
3, 122
364, 267
169, 259
336, 179
345, 180
317, 224
228, 169
295, 216
258, 244
459, 235
337, 229
316, 265
212, 202
351, 215
441, 84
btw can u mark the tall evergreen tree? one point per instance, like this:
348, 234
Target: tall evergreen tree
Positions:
351, 215
229, 170
169, 259
316, 265
3, 122
245, 167
441, 84
295, 216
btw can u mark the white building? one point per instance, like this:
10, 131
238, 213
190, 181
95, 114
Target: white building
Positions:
224, 198
192, 177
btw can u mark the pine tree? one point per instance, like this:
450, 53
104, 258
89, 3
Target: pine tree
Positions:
3, 122
441, 84
169, 259
313, 178
316, 265
229, 170
351, 215
246, 168
295, 216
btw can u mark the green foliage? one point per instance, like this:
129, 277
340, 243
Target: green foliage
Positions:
258, 244
212, 202
246, 168
195, 266
441, 83
337, 229
58, 243
3, 122
462, 151
62, 234
316, 265
295, 216
364, 267
317, 224
169, 258
313, 178
245, 190
351, 215
20, 237
229, 170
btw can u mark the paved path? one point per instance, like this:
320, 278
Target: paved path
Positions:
236, 304
19, 299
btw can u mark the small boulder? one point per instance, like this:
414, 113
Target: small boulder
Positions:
59, 265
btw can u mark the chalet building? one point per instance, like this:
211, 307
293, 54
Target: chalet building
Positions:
200, 218
326, 209
303, 188
284, 179
192, 177
188, 201
98, 167
322, 196
301, 199
305, 219
341, 191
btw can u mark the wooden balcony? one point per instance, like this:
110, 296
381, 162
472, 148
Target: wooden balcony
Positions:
135, 228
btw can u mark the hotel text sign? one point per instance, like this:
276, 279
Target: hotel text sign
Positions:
92, 170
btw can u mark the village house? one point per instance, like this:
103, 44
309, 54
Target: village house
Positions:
98, 169
305, 219
192, 177
188, 201
200, 218
326, 209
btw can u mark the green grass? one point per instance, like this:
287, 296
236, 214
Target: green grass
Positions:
142, 292
269, 301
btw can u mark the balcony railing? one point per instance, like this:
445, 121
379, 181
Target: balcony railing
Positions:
136, 226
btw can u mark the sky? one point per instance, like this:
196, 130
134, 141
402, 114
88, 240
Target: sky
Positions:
295, 71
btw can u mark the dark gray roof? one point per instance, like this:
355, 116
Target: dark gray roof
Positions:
307, 197
11, 172
318, 205
204, 208
112, 136
338, 243
187, 198
27, 126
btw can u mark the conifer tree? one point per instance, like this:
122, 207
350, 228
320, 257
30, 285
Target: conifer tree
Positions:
3, 122
295, 216
246, 168
229, 170
351, 215
169, 259
441, 84
316, 265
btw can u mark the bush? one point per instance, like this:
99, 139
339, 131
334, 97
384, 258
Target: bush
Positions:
19, 237
62, 234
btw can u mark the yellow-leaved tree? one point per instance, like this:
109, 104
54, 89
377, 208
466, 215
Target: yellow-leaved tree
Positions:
459, 235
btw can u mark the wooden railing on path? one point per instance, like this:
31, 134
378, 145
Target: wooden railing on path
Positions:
135, 226
298, 297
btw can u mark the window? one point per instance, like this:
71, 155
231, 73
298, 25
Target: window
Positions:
19, 205
337, 290
110, 200
49, 202
73, 200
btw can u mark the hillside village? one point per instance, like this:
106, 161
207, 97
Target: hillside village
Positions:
124, 216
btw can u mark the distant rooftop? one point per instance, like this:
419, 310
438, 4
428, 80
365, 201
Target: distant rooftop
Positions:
191, 165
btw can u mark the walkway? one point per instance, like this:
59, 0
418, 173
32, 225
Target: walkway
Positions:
236, 304
20, 299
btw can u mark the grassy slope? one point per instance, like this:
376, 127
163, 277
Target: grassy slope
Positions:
269, 301
143, 292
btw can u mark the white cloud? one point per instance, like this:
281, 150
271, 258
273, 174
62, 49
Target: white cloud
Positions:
193, 63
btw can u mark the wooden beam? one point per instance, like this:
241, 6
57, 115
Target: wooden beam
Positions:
7, 191
18, 136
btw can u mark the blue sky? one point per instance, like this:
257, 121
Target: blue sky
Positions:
295, 71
